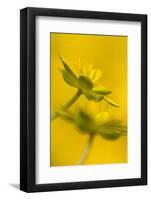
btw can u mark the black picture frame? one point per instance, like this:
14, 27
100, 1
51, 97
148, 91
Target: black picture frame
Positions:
28, 99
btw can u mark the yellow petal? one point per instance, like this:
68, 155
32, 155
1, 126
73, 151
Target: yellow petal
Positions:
85, 72
102, 117
98, 75
92, 73
99, 79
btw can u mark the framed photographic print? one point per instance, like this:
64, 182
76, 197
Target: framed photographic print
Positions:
83, 99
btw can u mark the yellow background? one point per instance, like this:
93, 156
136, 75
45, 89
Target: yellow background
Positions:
109, 53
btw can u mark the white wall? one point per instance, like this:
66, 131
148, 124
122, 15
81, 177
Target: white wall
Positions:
9, 98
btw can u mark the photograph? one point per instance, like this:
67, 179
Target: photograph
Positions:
88, 99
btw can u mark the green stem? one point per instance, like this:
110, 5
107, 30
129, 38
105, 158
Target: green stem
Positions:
67, 105
86, 150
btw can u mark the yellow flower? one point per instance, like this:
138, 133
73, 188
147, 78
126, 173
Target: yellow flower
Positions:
87, 70
86, 80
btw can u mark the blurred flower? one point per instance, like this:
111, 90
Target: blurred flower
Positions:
102, 123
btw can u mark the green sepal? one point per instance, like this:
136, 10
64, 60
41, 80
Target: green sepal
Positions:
71, 80
68, 75
111, 135
66, 66
112, 130
66, 115
84, 122
91, 95
111, 102
102, 90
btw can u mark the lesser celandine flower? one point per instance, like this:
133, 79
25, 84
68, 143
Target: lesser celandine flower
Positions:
102, 123
85, 81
